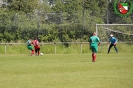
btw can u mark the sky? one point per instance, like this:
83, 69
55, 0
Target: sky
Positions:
1, 1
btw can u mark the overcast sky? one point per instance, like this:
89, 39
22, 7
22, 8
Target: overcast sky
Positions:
0, 0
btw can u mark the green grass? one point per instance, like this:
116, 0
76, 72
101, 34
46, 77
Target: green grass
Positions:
67, 71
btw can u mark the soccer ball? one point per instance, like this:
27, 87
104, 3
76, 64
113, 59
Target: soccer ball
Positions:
41, 54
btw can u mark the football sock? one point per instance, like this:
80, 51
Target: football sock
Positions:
32, 52
94, 57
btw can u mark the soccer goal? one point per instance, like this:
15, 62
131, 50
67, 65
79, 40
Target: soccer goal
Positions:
123, 32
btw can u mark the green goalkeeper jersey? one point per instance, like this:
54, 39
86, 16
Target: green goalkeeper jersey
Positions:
94, 41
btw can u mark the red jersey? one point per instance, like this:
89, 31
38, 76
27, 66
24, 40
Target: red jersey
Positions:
36, 44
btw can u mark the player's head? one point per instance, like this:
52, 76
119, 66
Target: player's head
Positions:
29, 38
111, 35
94, 33
35, 38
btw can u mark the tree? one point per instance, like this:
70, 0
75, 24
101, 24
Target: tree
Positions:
26, 6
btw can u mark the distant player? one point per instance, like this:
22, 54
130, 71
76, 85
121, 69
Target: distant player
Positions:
113, 42
36, 46
94, 43
29, 46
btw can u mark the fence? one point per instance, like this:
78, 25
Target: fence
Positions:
46, 48
62, 48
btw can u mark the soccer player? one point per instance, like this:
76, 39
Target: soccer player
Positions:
94, 43
36, 46
112, 41
29, 46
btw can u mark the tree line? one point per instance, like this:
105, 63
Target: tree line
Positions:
55, 20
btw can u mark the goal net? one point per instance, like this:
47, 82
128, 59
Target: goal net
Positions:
122, 32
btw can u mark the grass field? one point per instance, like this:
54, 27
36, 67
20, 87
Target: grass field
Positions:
66, 71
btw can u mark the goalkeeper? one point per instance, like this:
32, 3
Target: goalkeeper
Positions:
112, 42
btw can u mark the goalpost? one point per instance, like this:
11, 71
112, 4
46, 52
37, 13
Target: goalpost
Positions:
123, 32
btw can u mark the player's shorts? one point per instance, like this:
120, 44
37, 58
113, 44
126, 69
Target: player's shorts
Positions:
37, 50
30, 47
94, 49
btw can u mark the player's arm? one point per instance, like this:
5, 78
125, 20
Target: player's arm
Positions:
37, 43
31, 42
90, 44
98, 41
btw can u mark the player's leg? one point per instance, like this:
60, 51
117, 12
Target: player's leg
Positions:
110, 46
116, 48
93, 57
94, 50
38, 51
32, 50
